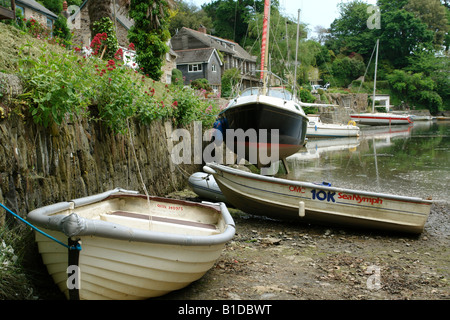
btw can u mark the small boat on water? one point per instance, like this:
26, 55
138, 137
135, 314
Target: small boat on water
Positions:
132, 246
317, 129
321, 203
381, 118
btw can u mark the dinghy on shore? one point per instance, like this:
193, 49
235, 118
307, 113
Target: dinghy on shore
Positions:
294, 200
132, 246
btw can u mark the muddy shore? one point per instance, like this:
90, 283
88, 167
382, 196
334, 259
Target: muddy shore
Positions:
278, 260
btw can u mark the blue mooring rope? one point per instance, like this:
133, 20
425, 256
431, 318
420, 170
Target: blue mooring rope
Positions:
75, 247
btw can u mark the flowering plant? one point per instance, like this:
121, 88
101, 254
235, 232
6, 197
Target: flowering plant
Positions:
64, 84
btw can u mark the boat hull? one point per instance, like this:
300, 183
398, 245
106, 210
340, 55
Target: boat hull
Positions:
317, 129
264, 118
381, 119
132, 247
293, 200
332, 131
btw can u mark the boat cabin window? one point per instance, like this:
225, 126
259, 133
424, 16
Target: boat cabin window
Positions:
249, 92
283, 94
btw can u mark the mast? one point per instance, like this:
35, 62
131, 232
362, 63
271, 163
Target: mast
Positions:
375, 78
264, 44
296, 53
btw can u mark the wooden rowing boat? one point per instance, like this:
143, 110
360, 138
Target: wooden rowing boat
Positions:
286, 199
132, 246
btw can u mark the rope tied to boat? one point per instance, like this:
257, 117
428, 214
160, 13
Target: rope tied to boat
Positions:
74, 246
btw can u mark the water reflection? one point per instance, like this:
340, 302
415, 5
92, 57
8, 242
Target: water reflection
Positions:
405, 160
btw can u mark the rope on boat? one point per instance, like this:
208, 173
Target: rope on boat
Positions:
71, 247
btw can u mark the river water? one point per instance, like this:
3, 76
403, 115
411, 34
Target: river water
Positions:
404, 160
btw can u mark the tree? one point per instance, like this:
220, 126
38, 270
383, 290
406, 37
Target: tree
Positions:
434, 14
231, 17
402, 36
346, 70
98, 9
349, 33
190, 16
416, 89
149, 34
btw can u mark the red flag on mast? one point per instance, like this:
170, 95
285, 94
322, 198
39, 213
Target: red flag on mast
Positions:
264, 36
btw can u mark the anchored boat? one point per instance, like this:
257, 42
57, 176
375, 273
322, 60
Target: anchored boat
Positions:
318, 129
132, 246
286, 199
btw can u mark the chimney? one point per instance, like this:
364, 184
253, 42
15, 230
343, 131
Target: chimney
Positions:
202, 29
65, 13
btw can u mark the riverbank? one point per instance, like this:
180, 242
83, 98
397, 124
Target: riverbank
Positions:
277, 260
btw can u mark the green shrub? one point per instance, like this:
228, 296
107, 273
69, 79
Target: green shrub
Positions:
105, 25
200, 84
59, 85
177, 77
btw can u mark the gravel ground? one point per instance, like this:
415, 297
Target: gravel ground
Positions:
277, 260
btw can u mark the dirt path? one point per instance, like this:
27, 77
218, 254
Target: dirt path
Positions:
274, 260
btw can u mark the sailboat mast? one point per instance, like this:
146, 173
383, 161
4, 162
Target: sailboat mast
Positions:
375, 78
296, 54
265, 42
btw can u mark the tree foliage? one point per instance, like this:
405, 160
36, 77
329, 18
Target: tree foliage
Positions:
190, 16
149, 34
411, 34
433, 14
231, 17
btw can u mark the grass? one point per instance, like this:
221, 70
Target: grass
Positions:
14, 282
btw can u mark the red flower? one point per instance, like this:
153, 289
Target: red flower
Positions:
131, 46
119, 54
111, 62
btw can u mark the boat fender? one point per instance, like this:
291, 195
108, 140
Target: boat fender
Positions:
352, 123
209, 170
72, 225
301, 209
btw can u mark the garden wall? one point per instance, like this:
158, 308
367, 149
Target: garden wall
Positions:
41, 166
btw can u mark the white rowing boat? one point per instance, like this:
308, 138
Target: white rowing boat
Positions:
132, 246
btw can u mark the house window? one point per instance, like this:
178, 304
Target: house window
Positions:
21, 9
195, 67
49, 24
213, 68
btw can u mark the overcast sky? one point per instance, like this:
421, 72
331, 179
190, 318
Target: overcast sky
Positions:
313, 12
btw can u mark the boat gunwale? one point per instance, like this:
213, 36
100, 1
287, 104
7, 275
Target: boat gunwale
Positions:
256, 100
73, 225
